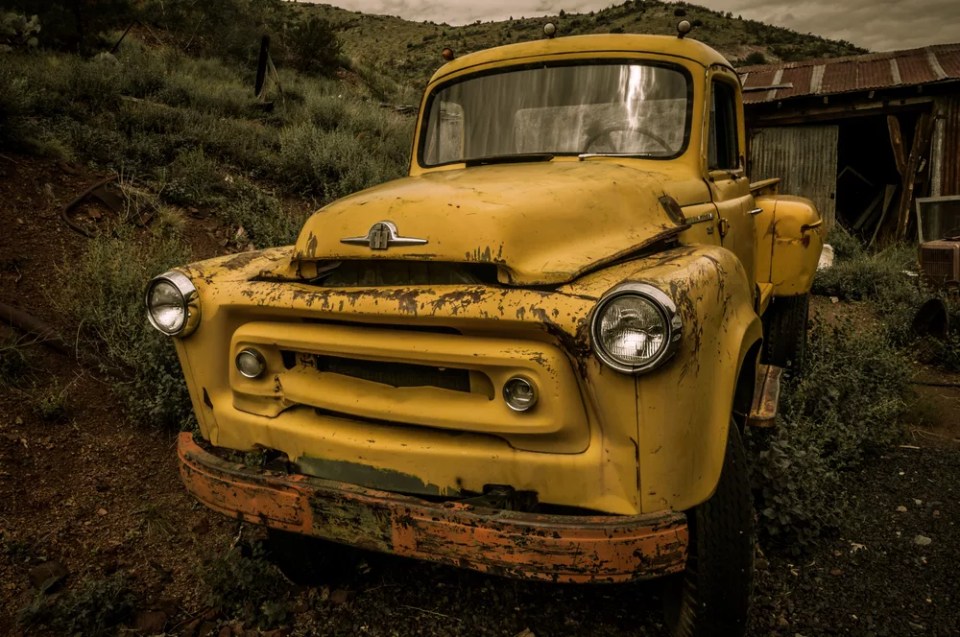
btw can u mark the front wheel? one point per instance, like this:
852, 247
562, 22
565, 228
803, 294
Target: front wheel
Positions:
711, 598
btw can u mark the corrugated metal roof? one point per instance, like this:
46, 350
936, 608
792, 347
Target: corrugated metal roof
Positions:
891, 69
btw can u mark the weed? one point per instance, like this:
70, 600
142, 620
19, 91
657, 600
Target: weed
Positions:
50, 402
194, 180
848, 403
104, 295
155, 520
879, 277
945, 352
15, 550
260, 215
95, 608
331, 164
247, 587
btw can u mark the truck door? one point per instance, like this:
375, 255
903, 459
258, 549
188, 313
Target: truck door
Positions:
726, 168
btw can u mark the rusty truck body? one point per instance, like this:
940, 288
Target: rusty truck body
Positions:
532, 356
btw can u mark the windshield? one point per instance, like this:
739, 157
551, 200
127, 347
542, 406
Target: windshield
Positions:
617, 108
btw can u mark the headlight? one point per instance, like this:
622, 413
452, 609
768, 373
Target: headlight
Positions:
173, 305
635, 328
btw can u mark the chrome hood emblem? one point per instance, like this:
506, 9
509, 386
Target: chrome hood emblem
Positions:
383, 235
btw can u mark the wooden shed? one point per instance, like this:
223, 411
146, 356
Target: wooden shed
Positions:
864, 136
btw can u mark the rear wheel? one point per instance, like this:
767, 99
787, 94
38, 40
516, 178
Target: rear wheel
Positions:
785, 327
711, 597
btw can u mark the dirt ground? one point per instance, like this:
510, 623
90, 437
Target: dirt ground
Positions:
86, 494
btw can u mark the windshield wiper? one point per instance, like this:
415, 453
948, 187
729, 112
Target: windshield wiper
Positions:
508, 159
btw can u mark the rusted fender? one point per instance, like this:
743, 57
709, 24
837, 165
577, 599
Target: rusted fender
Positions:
683, 408
557, 548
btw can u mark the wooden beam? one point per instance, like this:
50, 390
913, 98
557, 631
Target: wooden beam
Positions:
45, 333
896, 142
921, 142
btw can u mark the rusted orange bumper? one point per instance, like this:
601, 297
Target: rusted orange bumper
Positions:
559, 548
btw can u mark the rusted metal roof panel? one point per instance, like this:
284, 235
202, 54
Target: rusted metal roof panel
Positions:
874, 74
799, 78
839, 77
915, 69
871, 71
760, 77
950, 61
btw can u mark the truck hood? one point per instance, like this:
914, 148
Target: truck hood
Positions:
540, 223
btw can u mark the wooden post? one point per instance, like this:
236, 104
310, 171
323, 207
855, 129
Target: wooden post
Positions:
896, 142
921, 141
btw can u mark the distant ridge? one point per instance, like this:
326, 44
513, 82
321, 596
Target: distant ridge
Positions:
408, 52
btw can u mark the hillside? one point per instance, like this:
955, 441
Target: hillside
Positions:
408, 52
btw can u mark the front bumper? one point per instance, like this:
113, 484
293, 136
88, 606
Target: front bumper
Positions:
559, 548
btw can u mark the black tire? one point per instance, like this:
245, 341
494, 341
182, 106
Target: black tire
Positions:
785, 332
711, 598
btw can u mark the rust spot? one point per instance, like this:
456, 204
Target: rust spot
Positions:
241, 260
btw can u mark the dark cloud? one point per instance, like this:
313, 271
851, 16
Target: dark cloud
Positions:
878, 25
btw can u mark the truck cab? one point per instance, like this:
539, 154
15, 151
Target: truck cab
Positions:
532, 356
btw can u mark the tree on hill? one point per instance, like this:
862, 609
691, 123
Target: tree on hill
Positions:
314, 46
74, 25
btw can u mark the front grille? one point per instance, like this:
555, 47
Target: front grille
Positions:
395, 272
393, 374
940, 261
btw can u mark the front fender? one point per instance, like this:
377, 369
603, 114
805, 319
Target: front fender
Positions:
684, 407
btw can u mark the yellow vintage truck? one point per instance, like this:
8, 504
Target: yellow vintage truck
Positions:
535, 354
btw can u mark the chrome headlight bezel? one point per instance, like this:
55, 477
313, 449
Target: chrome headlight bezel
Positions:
664, 305
189, 299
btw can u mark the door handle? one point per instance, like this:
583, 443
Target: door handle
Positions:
755, 211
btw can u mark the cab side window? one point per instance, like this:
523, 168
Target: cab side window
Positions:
723, 151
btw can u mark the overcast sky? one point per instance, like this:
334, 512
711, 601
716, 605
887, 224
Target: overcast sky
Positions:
878, 25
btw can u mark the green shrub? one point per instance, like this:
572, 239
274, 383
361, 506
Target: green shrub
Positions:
332, 164
95, 608
194, 180
103, 294
261, 215
878, 277
314, 46
17, 31
945, 352
50, 402
848, 403
247, 587
845, 246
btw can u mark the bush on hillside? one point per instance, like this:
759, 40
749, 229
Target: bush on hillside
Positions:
315, 47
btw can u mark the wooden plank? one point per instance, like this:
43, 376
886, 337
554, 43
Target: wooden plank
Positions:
868, 212
921, 141
888, 192
896, 141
